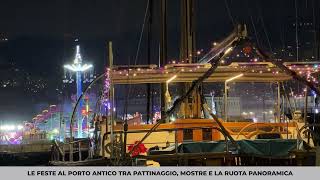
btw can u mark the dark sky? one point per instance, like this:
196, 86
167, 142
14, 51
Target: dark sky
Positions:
41, 33
52, 24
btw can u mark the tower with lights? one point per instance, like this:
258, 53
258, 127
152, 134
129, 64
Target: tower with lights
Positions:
82, 75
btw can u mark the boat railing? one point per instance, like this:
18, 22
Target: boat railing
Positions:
109, 147
35, 136
61, 149
258, 128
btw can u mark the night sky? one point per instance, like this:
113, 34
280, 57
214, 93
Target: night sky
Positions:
38, 37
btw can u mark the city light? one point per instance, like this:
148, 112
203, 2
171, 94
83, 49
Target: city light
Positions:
255, 119
172, 119
55, 131
10, 127
77, 63
78, 67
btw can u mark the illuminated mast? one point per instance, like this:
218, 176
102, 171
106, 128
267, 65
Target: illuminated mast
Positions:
78, 68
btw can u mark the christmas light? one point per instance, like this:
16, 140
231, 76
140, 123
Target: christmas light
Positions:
79, 69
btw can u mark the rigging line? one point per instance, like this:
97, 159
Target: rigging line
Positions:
137, 54
282, 36
255, 31
264, 29
314, 31
297, 38
318, 31
283, 41
318, 46
229, 13
141, 33
128, 92
253, 25
177, 102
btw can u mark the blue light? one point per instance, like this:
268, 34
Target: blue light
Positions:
314, 94
78, 68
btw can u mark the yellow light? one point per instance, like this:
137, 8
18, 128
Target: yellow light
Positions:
235, 77
55, 131
171, 79
228, 50
87, 107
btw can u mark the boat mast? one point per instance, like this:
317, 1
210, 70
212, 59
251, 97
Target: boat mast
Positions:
163, 51
149, 59
191, 107
110, 111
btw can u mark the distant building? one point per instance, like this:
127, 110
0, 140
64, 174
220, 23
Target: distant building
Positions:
137, 104
217, 106
299, 104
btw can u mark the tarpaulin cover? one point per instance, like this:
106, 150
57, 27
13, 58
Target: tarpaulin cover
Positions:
198, 147
260, 147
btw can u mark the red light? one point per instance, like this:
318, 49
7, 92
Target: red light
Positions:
84, 112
